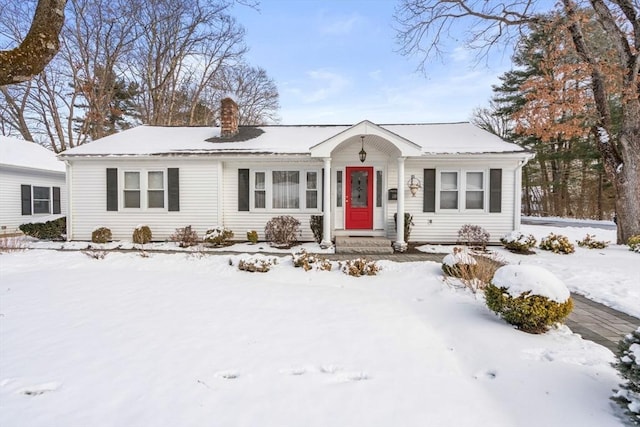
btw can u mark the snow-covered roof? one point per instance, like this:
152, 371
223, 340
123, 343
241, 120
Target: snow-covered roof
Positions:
24, 154
447, 138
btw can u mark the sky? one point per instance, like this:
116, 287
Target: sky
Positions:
336, 62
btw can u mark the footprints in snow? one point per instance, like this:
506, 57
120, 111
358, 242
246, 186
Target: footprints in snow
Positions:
334, 373
488, 374
32, 390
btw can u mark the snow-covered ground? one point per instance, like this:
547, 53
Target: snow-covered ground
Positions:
188, 339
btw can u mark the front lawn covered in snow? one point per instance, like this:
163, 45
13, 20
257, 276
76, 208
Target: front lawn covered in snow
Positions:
188, 339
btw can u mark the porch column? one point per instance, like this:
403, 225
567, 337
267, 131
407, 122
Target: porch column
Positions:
400, 245
326, 197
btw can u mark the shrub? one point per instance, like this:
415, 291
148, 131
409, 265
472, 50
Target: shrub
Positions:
257, 264
473, 236
359, 267
316, 222
528, 297
459, 263
408, 224
628, 365
101, 235
218, 236
282, 231
307, 261
50, 230
11, 244
141, 234
185, 237
634, 243
557, 243
95, 253
252, 236
590, 242
480, 275
518, 242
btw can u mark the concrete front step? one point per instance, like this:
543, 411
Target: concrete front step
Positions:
363, 245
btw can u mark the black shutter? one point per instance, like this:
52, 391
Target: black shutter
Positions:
112, 189
173, 182
243, 189
56, 200
25, 191
495, 190
429, 183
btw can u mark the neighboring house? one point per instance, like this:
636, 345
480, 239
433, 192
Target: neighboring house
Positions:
241, 177
32, 184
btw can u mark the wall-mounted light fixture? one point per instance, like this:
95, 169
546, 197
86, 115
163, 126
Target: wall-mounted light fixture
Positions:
362, 154
414, 185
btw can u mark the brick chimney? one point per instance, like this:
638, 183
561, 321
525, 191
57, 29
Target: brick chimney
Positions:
228, 118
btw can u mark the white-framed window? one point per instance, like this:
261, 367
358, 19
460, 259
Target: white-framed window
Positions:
41, 200
461, 190
144, 189
279, 189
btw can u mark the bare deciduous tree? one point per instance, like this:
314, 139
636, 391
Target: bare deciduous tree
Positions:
426, 25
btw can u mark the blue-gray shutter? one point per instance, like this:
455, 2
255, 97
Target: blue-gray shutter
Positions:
429, 186
173, 184
112, 189
56, 200
495, 190
243, 189
25, 191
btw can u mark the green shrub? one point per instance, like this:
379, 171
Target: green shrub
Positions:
509, 296
473, 236
307, 261
252, 236
50, 230
518, 242
557, 243
408, 224
185, 237
634, 243
218, 236
282, 231
316, 222
359, 267
141, 235
459, 264
628, 365
101, 235
590, 242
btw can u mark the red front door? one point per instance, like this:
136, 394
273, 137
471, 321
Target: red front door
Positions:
359, 198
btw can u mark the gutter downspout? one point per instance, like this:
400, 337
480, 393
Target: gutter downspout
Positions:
68, 181
517, 189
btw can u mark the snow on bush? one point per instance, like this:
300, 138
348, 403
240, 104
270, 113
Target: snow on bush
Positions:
590, 242
101, 235
307, 261
218, 236
628, 365
528, 297
518, 242
458, 263
634, 243
256, 263
282, 231
359, 267
557, 243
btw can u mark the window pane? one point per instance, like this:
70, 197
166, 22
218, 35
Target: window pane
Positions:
286, 189
312, 180
449, 181
41, 192
259, 199
339, 189
131, 199
259, 182
359, 193
448, 200
40, 206
132, 180
474, 181
474, 200
379, 189
156, 180
312, 199
156, 199
41, 200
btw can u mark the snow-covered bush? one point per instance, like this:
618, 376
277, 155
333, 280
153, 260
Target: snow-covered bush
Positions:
185, 237
557, 243
101, 235
590, 242
359, 267
282, 231
628, 365
473, 236
257, 264
218, 236
529, 297
141, 234
459, 264
518, 242
634, 243
316, 222
307, 261
252, 236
